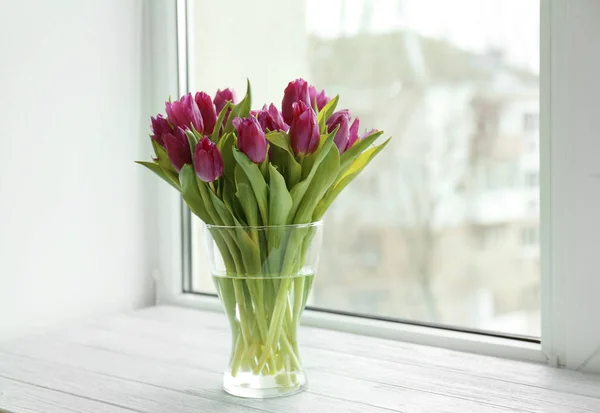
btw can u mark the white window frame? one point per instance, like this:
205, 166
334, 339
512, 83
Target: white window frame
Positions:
570, 334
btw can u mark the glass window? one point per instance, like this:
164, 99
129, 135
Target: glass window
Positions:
430, 231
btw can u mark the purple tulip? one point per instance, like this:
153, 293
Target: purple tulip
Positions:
185, 112
251, 138
353, 133
178, 148
270, 119
160, 126
208, 162
208, 112
222, 97
320, 98
304, 129
296, 91
341, 119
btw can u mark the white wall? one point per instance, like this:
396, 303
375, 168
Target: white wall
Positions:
76, 217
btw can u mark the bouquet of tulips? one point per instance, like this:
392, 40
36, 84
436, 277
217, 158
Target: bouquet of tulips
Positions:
246, 169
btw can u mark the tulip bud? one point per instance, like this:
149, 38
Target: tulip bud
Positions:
222, 97
296, 91
270, 119
304, 129
251, 138
320, 98
160, 126
178, 148
353, 133
208, 112
341, 119
208, 161
185, 112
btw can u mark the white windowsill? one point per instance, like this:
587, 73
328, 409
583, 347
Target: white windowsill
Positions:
452, 340
170, 359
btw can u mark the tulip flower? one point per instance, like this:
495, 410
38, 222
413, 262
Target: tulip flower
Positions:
304, 129
353, 133
185, 112
208, 112
296, 91
270, 119
208, 161
251, 138
160, 126
222, 97
341, 119
178, 148
320, 98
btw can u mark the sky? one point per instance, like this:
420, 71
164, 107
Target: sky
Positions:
476, 25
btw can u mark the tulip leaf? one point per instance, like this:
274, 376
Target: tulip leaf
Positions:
287, 164
154, 167
300, 189
226, 145
323, 180
215, 135
357, 149
247, 247
341, 182
232, 202
280, 139
309, 161
224, 214
326, 112
240, 110
246, 197
191, 194
163, 158
280, 200
192, 139
194, 132
257, 182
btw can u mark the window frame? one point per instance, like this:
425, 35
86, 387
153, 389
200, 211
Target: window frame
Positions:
555, 213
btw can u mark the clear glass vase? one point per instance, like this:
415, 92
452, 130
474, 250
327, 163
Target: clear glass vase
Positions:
263, 276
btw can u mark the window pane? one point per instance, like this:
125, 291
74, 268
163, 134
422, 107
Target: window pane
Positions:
443, 226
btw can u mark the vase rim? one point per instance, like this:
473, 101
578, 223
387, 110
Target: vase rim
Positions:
306, 225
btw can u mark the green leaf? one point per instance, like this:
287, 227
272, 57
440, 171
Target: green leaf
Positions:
257, 182
357, 149
326, 112
191, 194
348, 176
232, 202
309, 161
280, 139
226, 145
299, 190
241, 109
287, 164
280, 200
192, 139
154, 167
246, 197
323, 180
162, 157
215, 135
247, 246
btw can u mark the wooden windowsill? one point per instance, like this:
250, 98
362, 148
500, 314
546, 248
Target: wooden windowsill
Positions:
170, 360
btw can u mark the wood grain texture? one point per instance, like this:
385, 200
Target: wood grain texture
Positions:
171, 359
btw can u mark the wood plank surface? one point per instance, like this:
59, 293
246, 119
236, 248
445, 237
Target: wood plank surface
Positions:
170, 359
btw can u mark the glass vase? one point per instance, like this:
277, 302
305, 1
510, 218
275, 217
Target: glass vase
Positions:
263, 276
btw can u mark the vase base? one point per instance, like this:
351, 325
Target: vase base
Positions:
248, 385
